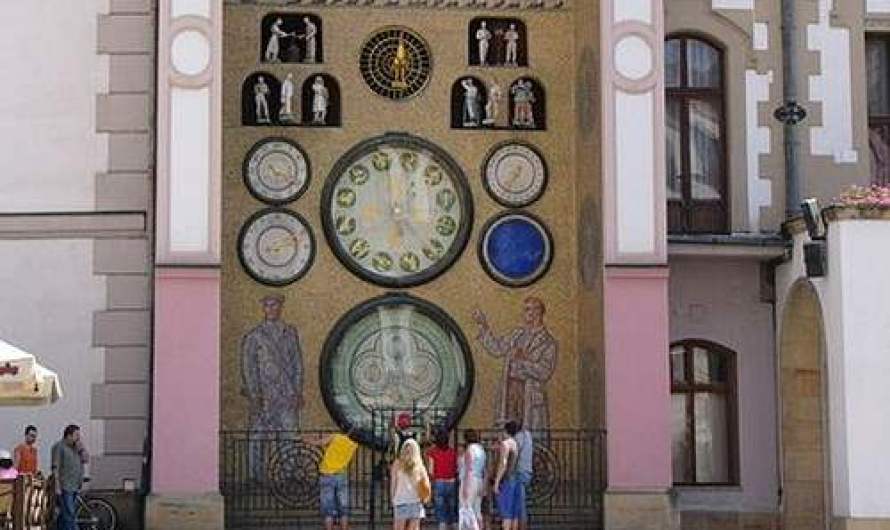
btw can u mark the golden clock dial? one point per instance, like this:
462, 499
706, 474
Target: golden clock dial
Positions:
395, 62
397, 210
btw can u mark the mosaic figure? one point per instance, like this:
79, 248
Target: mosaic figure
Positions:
320, 101
311, 38
471, 103
492, 107
272, 377
511, 37
260, 93
483, 36
273, 47
523, 104
529, 354
286, 114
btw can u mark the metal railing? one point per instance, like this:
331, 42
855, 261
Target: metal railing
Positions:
270, 480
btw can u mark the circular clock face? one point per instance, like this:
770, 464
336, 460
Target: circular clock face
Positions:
395, 63
515, 174
397, 210
516, 249
391, 354
276, 171
276, 246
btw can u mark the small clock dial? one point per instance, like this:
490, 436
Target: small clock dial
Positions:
276, 171
397, 210
276, 246
515, 174
395, 63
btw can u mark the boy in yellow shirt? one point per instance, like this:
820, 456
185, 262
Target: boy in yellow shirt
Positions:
334, 480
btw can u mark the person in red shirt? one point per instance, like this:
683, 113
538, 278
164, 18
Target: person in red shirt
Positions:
25, 453
442, 463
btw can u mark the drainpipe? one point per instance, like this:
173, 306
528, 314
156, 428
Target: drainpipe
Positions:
790, 113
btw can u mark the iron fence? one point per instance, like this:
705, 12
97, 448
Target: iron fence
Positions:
270, 480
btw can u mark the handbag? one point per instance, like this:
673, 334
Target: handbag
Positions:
424, 491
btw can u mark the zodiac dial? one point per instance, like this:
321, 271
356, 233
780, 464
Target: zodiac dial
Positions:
276, 171
276, 246
395, 62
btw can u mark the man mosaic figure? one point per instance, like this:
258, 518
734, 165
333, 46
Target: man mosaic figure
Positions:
320, 101
311, 40
286, 113
471, 103
260, 93
492, 105
274, 45
68, 459
272, 377
523, 104
483, 36
529, 354
333, 476
511, 36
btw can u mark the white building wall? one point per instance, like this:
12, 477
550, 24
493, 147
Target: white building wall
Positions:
52, 73
49, 295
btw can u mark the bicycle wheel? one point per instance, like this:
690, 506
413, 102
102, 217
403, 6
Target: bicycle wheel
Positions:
96, 514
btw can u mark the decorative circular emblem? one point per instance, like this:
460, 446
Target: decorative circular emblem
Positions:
397, 210
276, 246
293, 473
276, 171
395, 62
516, 249
546, 475
515, 174
395, 353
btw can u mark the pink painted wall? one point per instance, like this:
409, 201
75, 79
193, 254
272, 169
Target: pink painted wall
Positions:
186, 381
637, 387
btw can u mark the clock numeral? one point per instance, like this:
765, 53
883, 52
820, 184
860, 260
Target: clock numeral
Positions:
360, 248
435, 251
410, 262
446, 199
446, 225
380, 161
433, 175
346, 198
408, 161
359, 175
382, 262
345, 225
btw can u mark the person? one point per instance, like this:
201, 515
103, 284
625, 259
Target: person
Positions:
320, 101
260, 92
7, 470
287, 94
472, 482
483, 35
495, 93
25, 453
273, 46
507, 488
442, 465
311, 40
409, 487
524, 466
68, 459
471, 103
272, 378
339, 449
530, 353
401, 431
512, 38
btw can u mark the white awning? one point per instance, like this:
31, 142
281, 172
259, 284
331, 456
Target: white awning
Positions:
23, 381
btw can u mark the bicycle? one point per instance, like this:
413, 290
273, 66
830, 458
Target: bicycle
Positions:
93, 513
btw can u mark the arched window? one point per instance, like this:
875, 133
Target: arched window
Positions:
703, 414
696, 146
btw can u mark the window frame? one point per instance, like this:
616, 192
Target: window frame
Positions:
684, 208
877, 120
690, 388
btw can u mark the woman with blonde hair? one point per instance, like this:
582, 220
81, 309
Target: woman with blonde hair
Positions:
409, 487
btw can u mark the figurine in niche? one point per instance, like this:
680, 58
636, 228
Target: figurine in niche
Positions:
495, 94
320, 100
471, 103
311, 40
483, 36
260, 93
274, 44
523, 104
511, 37
399, 66
286, 114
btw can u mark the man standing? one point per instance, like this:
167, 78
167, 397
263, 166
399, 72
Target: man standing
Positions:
68, 459
25, 453
311, 36
334, 479
272, 377
507, 487
530, 359
524, 466
483, 36
260, 93
512, 39
320, 101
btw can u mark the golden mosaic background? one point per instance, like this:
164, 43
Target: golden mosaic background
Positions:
328, 291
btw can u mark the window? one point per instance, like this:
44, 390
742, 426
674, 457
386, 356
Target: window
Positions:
877, 60
696, 151
703, 412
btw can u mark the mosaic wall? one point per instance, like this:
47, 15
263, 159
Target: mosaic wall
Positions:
431, 153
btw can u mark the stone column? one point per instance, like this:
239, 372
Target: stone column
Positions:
185, 414
636, 275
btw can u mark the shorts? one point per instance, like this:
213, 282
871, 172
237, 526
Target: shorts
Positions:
445, 501
511, 499
334, 497
525, 480
408, 511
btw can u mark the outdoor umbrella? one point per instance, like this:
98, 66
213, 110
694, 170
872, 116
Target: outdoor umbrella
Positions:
23, 381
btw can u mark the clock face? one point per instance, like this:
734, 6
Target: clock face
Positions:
393, 354
276, 171
515, 175
395, 62
397, 210
276, 246
516, 249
